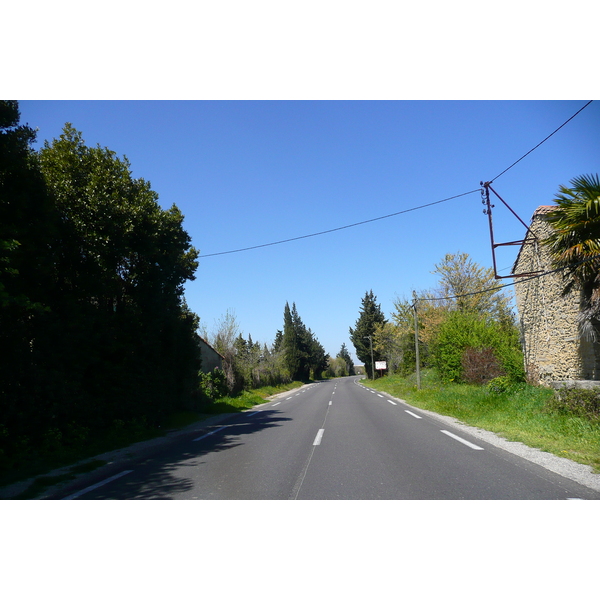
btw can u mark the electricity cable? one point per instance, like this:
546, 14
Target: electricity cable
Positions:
537, 276
301, 237
545, 139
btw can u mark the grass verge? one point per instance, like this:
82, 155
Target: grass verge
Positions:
521, 414
248, 399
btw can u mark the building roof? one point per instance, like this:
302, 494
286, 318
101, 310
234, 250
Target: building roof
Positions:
544, 210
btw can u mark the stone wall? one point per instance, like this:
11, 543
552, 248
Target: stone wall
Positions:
210, 357
552, 346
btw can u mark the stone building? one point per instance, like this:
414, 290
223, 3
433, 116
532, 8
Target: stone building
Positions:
553, 349
210, 357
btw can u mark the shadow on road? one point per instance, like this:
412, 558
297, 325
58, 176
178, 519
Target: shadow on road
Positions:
167, 472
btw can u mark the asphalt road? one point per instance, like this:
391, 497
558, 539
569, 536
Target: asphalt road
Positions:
332, 440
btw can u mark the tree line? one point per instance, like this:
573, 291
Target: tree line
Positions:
465, 328
294, 355
94, 328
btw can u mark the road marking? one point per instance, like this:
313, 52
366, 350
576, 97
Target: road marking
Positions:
461, 440
391, 402
330, 403
318, 438
412, 414
209, 433
96, 486
380, 395
276, 403
289, 397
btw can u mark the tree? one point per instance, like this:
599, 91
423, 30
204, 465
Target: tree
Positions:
369, 317
469, 287
91, 293
345, 356
303, 353
575, 245
122, 262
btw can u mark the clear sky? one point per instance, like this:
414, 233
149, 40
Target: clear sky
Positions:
246, 173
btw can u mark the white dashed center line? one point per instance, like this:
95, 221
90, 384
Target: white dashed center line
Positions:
318, 438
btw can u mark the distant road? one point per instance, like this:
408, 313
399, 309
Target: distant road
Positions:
333, 440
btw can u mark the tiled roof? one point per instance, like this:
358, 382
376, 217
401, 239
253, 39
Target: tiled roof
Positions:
543, 210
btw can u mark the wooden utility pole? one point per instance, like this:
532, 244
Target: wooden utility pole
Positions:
417, 341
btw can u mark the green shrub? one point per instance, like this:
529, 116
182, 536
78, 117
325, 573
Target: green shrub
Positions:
500, 385
213, 385
576, 402
462, 330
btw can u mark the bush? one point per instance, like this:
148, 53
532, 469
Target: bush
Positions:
577, 402
480, 365
462, 330
213, 385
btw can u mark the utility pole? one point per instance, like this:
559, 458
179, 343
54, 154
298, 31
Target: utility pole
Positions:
417, 341
372, 363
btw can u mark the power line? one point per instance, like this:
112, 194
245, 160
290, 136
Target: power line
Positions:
537, 276
301, 237
547, 138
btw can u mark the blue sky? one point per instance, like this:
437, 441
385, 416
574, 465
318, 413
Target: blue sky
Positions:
246, 173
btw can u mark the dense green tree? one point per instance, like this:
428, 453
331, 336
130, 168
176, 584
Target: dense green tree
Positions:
345, 356
303, 353
575, 245
91, 292
369, 317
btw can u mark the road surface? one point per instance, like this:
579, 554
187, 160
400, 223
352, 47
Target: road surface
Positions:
332, 440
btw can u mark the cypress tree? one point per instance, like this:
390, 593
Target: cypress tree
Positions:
370, 316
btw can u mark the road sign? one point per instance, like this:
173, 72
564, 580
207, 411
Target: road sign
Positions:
380, 365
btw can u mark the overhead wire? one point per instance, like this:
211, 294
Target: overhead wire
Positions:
499, 287
544, 140
302, 237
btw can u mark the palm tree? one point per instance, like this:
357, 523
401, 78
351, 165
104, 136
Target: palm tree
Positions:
574, 245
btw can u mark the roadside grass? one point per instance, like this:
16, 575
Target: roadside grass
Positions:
521, 414
248, 399
120, 436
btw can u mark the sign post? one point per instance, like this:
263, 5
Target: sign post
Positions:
380, 365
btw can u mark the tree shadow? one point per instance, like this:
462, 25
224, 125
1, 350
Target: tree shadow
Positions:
161, 475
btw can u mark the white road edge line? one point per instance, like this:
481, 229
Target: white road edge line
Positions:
461, 440
412, 414
318, 438
276, 403
380, 395
209, 433
96, 485
391, 402
330, 403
